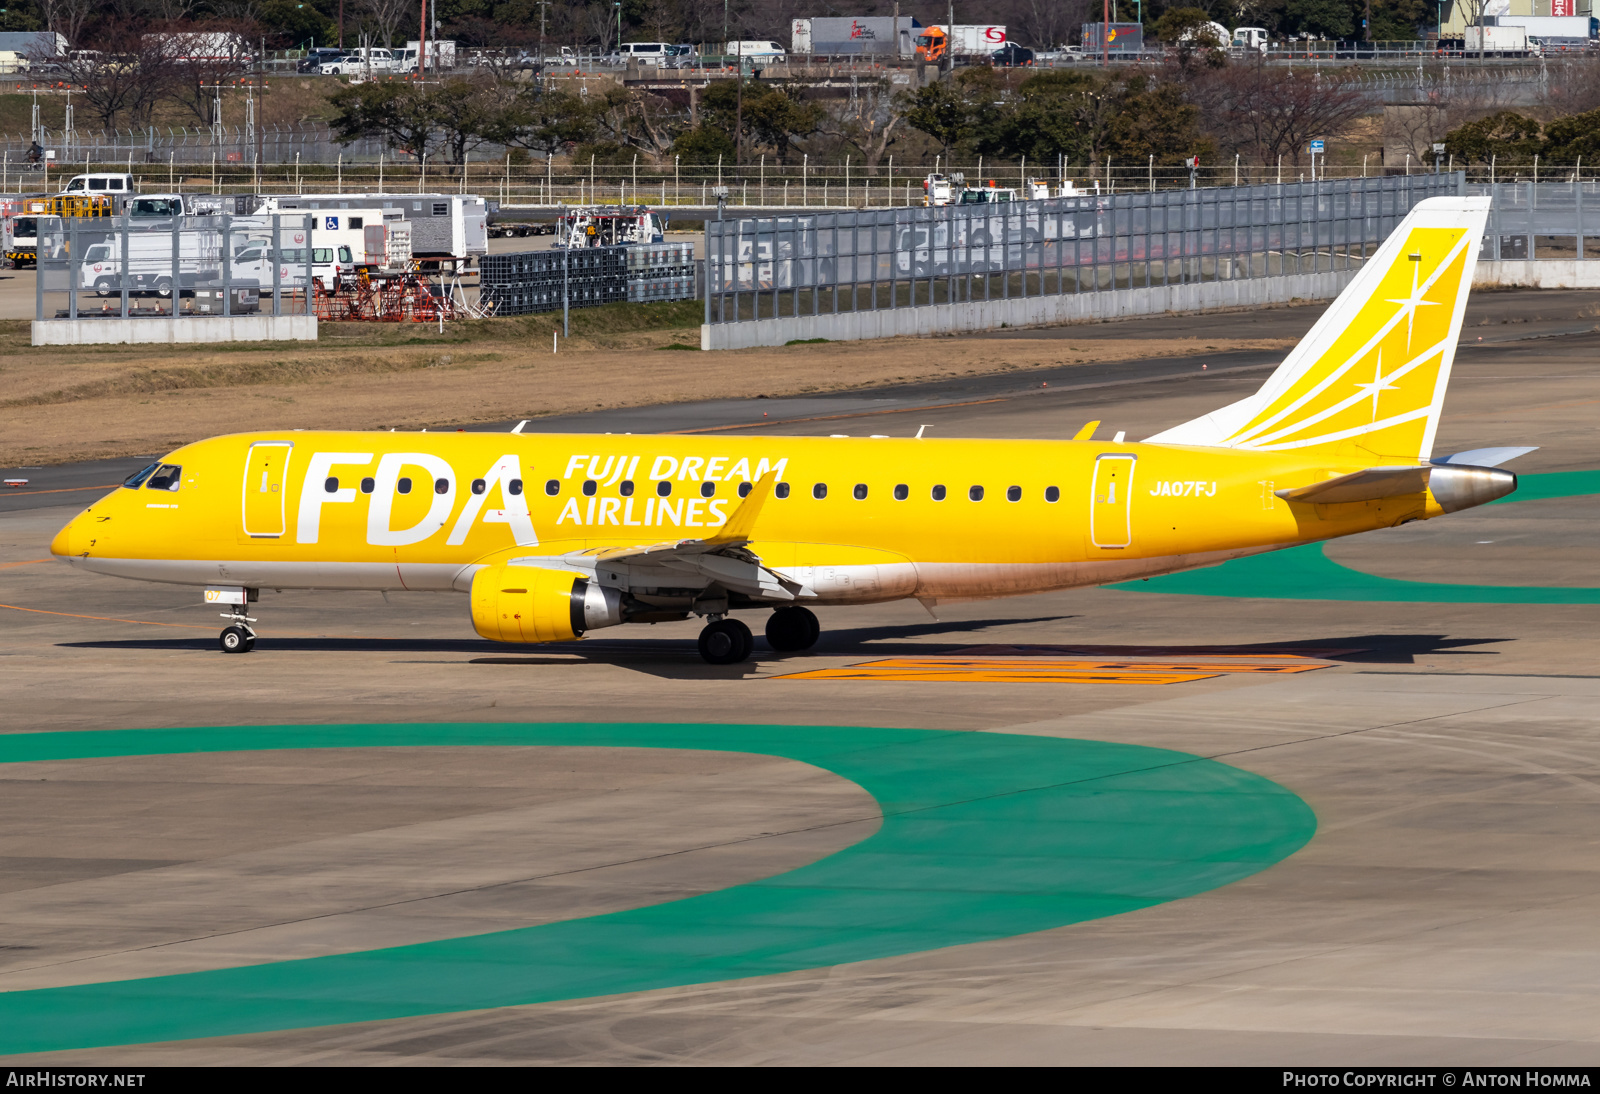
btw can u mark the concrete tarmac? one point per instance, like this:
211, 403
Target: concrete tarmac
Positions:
1445, 912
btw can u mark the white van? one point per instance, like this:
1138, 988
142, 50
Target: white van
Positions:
765, 50
646, 53
99, 183
1253, 38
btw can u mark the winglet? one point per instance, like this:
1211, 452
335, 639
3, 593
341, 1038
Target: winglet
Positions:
1087, 432
743, 520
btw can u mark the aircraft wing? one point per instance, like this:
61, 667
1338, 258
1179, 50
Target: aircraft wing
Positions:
723, 557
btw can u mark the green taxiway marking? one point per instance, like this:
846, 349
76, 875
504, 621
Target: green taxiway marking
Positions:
984, 835
1307, 573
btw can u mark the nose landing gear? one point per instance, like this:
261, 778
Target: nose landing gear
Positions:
237, 637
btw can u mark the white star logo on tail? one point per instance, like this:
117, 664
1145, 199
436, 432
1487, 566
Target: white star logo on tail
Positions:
1410, 304
1380, 383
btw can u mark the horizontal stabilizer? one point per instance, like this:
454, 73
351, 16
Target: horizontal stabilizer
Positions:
1369, 484
1454, 486
1486, 457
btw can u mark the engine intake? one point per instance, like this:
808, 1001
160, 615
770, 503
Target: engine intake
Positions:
534, 604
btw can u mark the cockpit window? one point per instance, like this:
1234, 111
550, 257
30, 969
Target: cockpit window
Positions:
136, 480
167, 477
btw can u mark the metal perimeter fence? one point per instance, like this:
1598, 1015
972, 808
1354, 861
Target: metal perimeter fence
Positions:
770, 267
1540, 221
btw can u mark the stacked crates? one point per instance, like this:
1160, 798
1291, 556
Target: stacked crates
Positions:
661, 271
534, 281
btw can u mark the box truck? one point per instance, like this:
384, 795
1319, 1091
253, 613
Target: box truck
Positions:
1496, 40
972, 41
445, 228
149, 262
876, 35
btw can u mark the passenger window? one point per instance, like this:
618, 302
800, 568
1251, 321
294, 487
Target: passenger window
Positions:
479, 486
901, 492
516, 487
819, 491
782, 490
1013, 493
1052, 493
331, 484
552, 487
745, 488
136, 480
663, 489
441, 486
356, 222
707, 489
975, 493
404, 486
367, 486
861, 491
344, 255
589, 487
166, 477
625, 487
938, 493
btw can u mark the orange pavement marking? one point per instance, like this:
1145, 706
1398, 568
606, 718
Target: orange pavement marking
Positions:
67, 489
1044, 670
24, 562
105, 618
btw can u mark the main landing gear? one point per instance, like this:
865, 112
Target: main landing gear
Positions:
792, 629
727, 641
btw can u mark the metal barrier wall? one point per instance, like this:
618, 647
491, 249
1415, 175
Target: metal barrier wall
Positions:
118, 267
1540, 220
875, 259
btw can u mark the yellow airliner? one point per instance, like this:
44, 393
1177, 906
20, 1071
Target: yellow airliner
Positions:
557, 535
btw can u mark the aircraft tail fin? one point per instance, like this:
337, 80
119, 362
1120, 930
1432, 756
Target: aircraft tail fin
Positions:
1368, 380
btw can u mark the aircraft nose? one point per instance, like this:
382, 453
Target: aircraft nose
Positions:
71, 540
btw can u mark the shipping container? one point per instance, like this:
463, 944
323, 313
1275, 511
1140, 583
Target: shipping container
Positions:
874, 35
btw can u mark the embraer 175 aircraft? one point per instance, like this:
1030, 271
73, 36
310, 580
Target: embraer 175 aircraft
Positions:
558, 535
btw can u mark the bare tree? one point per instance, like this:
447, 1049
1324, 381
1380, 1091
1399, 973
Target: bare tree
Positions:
1048, 22
67, 17
123, 84
199, 63
387, 15
1265, 112
867, 121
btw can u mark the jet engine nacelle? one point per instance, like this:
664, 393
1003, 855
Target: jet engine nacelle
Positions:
534, 604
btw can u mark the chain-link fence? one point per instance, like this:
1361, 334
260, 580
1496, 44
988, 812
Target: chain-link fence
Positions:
770, 267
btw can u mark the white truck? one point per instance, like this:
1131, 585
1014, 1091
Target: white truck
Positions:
1503, 41
441, 56
445, 228
343, 244
149, 263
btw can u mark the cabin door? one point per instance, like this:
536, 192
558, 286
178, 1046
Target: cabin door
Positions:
1111, 506
266, 478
